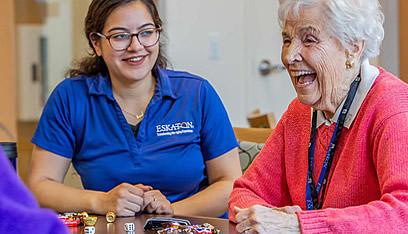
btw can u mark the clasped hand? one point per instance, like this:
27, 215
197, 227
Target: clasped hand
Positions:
261, 219
129, 200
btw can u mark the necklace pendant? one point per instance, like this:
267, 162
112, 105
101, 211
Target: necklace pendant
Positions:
140, 115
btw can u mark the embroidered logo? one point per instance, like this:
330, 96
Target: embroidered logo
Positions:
174, 129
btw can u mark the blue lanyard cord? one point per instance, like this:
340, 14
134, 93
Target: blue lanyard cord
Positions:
312, 191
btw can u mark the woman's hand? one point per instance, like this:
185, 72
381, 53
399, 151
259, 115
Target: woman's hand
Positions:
156, 202
125, 199
261, 219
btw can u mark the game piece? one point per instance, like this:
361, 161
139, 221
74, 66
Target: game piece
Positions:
129, 227
110, 217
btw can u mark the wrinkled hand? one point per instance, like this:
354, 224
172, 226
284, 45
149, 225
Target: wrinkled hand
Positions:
156, 202
289, 209
261, 219
125, 199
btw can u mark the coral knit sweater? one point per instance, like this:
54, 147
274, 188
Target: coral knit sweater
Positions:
367, 190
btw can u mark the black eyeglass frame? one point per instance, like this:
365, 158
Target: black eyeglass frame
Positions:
157, 30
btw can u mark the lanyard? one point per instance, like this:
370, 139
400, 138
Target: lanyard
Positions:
312, 191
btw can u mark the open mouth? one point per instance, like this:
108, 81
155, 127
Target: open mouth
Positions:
304, 78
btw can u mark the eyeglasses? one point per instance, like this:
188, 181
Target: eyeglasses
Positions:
121, 41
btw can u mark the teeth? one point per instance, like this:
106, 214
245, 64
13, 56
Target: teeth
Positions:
301, 73
136, 59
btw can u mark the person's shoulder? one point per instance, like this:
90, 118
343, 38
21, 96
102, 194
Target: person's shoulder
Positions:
388, 95
75, 86
183, 76
73, 83
187, 84
387, 87
386, 80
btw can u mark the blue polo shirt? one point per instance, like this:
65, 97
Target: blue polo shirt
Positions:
185, 125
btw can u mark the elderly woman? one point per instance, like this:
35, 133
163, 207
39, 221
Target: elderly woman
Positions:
337, 161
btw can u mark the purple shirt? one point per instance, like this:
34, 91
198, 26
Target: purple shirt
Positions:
19, 211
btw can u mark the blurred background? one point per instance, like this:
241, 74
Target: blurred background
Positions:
235, 44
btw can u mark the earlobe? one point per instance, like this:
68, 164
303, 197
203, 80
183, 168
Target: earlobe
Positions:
98, 51
353, 53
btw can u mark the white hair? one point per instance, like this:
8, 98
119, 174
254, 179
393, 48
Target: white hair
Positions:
348, 20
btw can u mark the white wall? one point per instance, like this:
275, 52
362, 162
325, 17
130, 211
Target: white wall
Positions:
206, 38
211, 38
58, 30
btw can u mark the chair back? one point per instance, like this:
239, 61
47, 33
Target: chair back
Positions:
257, 135
258, 120
251, 141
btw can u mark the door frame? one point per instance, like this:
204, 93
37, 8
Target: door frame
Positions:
8, 87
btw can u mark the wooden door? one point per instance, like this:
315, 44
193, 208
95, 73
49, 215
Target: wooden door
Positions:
403, 39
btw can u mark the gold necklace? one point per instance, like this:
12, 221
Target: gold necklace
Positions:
137, 116
141, 113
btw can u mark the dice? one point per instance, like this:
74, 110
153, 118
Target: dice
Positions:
129, 227
89, 230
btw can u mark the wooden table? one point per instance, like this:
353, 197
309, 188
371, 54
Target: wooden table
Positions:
117, 227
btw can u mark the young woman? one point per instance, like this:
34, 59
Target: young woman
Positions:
142, 138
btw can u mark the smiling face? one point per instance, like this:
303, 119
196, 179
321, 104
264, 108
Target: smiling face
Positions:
137, 61
315, 61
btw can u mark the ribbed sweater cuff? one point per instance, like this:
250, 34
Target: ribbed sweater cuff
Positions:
313, 221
